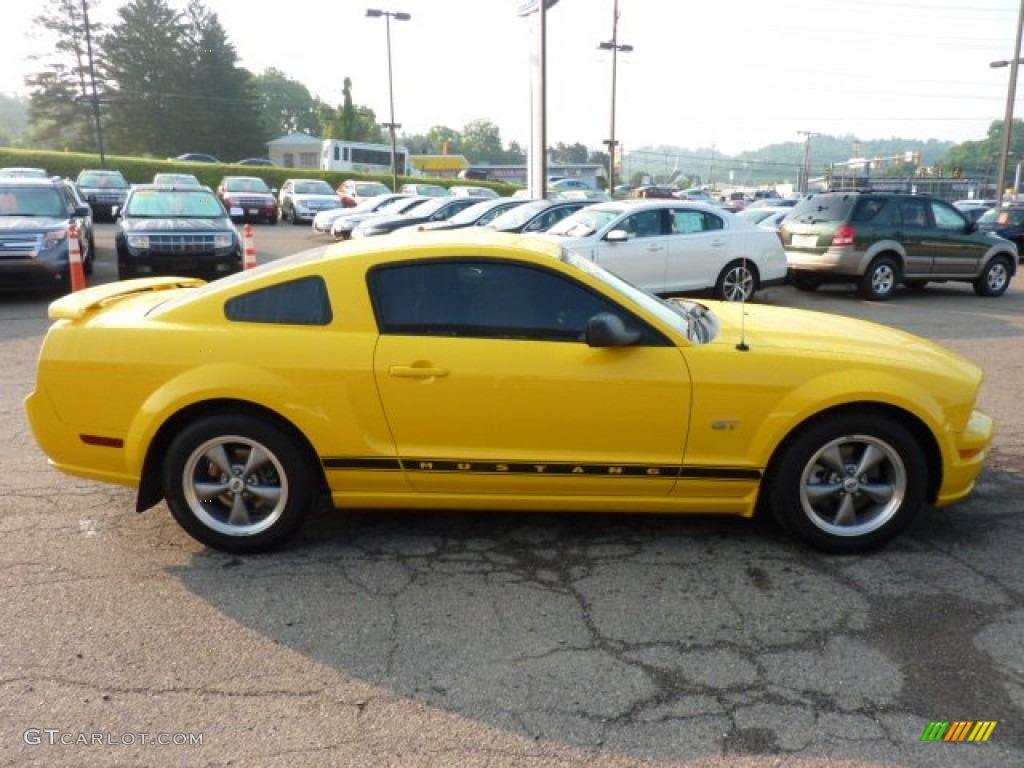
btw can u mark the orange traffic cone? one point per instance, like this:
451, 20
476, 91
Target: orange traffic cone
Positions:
249, 245
75, 259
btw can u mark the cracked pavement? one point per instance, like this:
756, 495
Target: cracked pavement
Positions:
406, 639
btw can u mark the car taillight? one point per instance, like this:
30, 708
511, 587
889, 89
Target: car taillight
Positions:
844, 236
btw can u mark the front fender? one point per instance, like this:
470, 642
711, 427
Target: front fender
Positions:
854, 387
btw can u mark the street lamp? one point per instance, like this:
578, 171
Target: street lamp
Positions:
614, 46
392, 126
1013, 64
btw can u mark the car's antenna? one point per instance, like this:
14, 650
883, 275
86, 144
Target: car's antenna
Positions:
742, 346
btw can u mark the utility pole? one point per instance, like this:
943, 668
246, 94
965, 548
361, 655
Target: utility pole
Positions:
805, 168
92, 76
614, 46
1011, 95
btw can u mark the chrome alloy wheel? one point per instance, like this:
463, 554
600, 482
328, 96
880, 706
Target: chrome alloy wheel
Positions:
737, 284
853, 485
235, 485
883, 280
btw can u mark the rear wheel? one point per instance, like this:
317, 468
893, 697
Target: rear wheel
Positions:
994, 278
880, 281
237, 483
849, 482
737, 282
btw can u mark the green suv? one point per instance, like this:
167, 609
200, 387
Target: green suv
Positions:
879, 240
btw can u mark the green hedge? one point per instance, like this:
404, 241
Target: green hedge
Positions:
140, 170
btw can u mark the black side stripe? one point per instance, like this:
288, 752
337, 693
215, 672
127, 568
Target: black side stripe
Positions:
442, 466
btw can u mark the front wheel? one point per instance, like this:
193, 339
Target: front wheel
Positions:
737, 282
994, 278
237, 483
849, 482
880, 281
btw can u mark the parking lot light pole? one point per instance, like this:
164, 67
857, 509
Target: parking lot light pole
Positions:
392, 126
1011, 95
614, 46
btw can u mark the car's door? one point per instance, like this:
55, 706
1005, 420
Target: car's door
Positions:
914, 232
699, 246
641, 256
955, 251
489, 387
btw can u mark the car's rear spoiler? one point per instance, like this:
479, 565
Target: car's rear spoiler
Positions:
77, 305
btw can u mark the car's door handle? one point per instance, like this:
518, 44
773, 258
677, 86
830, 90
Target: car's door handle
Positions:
416, 371
717, 243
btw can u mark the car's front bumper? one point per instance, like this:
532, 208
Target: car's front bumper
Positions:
965, 454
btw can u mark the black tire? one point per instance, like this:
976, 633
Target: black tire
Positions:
272, 220
295, 219
737, 282
849, 482
994, 278
805, 281
223, 499
880, 281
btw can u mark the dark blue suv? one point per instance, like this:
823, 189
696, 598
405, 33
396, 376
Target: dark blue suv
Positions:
35, 220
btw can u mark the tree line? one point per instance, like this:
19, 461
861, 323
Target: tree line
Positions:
169, 81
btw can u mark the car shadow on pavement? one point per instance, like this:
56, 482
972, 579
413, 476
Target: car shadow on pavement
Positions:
681, 638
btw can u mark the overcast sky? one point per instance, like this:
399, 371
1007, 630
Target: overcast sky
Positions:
736, 74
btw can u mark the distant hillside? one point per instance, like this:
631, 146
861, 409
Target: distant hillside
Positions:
770, 164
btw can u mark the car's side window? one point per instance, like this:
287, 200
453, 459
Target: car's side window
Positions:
947, 218
296, 302
913, 214
643, 224
485, 299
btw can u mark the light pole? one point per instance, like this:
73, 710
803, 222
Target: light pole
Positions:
391, 126
614, 46
1004, 153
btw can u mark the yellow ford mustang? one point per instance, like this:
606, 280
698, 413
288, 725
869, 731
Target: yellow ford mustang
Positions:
469, 371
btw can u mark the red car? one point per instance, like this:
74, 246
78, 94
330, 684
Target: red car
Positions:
354, 192
248, 198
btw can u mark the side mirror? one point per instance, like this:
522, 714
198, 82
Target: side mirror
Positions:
83, 211
608, 330
972, 226
617, 236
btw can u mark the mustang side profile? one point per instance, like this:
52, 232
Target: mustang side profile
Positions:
483, 371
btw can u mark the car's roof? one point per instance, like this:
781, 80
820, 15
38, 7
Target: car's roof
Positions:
241, 178
171, 187
100, 171
34, 181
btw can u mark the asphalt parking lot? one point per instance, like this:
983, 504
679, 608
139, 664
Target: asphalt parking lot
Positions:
397, 639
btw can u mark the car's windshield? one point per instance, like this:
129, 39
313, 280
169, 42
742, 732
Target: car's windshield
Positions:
474, 212
182, 179
313, 188
371, 189
102, 180
163, 203
1003, 217
428, 207
246, 185
694, 320
585, 221
519, 215
26, 201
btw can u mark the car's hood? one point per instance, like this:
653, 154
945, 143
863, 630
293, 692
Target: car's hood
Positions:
31, 223
175, 225
303, 198
832, 336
